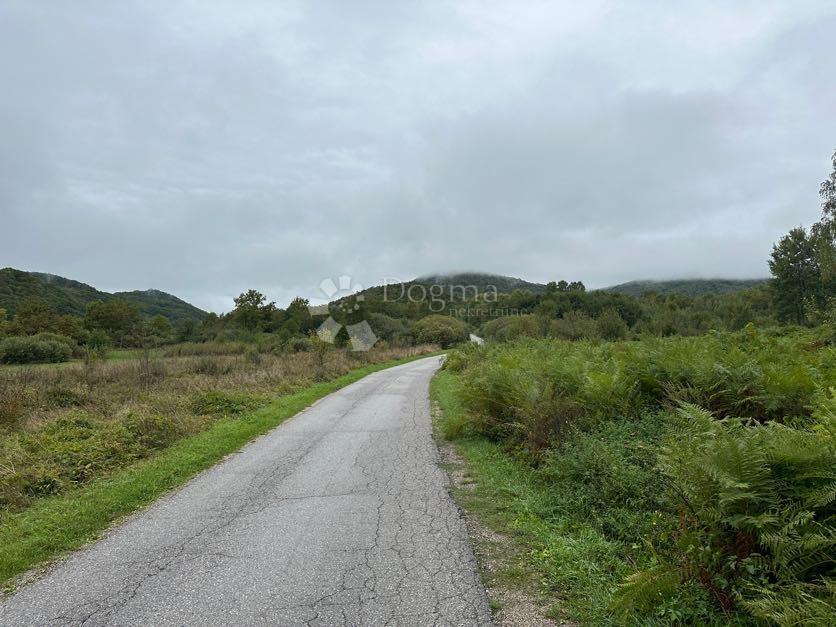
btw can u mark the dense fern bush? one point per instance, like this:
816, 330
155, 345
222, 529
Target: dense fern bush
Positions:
511, 387
758, 516
743, 465
540, 391
461, 358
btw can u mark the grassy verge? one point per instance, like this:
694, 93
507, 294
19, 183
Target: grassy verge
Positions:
504, 495
500, 494
55, 525
576, 521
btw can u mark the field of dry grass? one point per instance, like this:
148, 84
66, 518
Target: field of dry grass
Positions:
64, 425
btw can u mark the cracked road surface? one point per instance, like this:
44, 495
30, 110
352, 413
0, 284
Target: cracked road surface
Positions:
340, 516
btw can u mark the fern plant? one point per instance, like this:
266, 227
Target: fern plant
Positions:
758, 512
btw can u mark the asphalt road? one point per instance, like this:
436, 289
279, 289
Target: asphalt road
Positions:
339, 517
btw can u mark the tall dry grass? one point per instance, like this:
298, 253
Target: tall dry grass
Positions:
61, 426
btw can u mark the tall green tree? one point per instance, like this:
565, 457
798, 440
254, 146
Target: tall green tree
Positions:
297, 318
796, 275
252, 310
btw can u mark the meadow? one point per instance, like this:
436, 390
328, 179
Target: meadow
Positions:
682, 480
64, 425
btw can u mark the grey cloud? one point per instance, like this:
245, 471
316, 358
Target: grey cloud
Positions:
204, 148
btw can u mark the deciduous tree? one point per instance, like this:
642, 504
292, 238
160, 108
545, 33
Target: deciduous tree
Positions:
118, 318
796, 275
35, 315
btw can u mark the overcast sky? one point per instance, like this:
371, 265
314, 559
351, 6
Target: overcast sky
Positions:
203, 148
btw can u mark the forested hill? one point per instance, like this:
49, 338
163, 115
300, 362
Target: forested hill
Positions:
505, 285
71, 297
483, 282
688, 287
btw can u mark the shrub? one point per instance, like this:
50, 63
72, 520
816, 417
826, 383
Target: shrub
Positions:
54, 337
300, 345
41, 348
574, 325
611, 326
442, 330
389, 329
98, 340
270, 343
510, 328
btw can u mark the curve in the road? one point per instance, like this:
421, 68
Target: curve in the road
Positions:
339, 516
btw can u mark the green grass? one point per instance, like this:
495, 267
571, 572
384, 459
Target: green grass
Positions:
55, 525
120, 354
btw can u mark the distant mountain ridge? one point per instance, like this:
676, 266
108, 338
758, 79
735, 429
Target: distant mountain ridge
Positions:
688, 287
482, 281
507, 284
67, 296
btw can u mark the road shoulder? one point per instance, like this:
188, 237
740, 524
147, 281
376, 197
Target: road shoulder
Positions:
510, 584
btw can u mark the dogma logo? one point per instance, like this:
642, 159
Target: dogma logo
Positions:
360, 334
